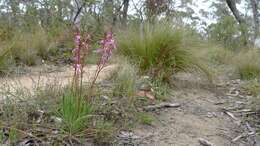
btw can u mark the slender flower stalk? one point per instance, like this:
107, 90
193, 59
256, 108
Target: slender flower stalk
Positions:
82, 45
108, 45
80, 52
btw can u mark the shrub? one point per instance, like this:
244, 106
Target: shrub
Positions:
6, 61
124, 79
29, 47
219, 55
158, 50
247, 64
105, 132
145, 118
229, 37
253, 86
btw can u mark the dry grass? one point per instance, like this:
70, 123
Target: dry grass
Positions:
247, 64
158, 51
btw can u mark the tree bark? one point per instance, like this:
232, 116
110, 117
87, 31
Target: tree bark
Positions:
232, 6
109, 18
255, 16
79, 9
125, 10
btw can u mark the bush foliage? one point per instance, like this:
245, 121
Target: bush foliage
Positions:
247, 64
158, 50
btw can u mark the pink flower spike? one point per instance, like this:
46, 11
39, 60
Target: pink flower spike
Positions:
78, 68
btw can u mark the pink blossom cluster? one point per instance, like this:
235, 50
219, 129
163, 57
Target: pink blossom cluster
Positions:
82, 45
80, 51
76, 54
108, 45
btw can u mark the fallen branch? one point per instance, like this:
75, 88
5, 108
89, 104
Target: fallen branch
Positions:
239, 137
235, 119
204, 142
230, 115
161, 105
242, 136
251, 130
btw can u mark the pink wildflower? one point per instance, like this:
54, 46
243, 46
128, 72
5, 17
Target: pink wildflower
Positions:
76, 54
108, 45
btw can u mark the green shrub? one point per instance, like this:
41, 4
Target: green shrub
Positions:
158, 50
220, 55
226, 32
75, 112
6, 61
145, 118
248, 64
29, 47
253, 86
124, 79
105, 132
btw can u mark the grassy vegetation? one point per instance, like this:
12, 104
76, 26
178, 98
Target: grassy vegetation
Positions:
124, 79
31, 47
253, 86
145, 118
247, 64
75, 112
158, 51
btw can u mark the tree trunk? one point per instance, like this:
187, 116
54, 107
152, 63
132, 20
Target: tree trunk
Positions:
255, 16
125, 10
232, 6
109, 18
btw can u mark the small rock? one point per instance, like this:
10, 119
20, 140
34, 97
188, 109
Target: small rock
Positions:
211, 114
205, 142
127, 138
36, 116
105, 97
56, 119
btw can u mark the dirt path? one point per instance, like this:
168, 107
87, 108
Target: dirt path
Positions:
49, 75
201, 115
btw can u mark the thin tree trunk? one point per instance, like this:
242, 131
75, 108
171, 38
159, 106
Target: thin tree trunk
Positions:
255, 16
109, 13
78, 11
232, 6
125, 10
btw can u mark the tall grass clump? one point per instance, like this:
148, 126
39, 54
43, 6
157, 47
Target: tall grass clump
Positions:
158, 49
248, 64
74, 114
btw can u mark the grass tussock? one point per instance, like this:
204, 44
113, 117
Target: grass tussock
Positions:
247, 64
74, 114
158, 51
